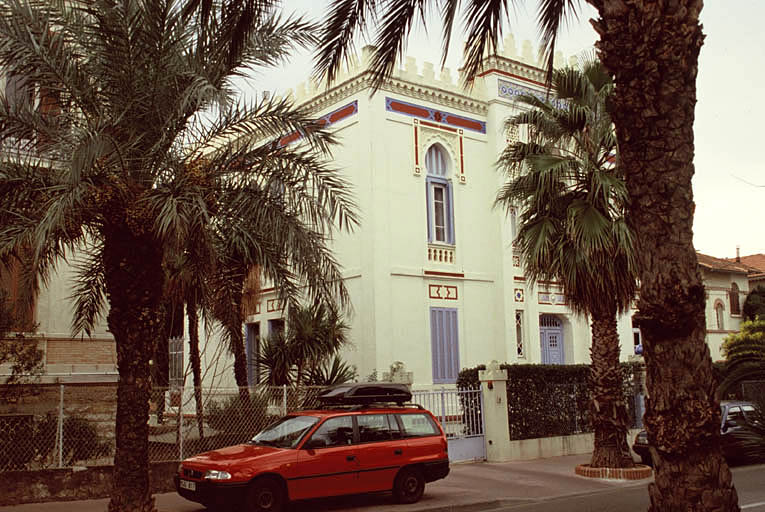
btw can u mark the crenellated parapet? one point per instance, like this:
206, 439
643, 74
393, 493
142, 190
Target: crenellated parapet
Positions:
427, 81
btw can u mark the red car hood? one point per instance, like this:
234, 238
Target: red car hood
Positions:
232, 455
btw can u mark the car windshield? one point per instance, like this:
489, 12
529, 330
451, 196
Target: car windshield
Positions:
285, 433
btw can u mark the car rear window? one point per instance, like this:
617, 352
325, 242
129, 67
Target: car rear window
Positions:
418, 424
377, 427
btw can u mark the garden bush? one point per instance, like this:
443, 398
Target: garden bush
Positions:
552, 400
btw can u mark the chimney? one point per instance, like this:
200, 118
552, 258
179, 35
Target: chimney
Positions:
738, 254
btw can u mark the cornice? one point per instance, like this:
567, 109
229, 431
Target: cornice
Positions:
514, 68
397, 85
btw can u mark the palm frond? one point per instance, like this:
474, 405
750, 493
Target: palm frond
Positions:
89, 292
483, 24
552, 14
346, 18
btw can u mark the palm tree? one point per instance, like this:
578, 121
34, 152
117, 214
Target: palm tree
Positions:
572, 197
307, 353
144, 91
651, 48
187, 286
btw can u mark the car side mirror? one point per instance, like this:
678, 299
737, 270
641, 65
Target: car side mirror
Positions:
315, 443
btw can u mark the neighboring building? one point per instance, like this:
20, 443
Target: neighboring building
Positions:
756, 265
727, 285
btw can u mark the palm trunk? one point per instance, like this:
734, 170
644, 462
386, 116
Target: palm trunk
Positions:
196, 363
607, 407
236, 338
652, 48
134, 286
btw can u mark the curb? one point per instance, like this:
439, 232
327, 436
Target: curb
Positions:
476, 506
639, 472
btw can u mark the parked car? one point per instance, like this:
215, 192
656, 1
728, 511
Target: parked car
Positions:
363, 439
742, 432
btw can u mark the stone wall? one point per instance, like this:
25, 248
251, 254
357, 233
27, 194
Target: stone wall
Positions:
19, 487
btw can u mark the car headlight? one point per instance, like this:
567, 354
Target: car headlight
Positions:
215, 474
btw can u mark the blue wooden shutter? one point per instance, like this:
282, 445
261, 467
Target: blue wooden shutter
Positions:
428, 194
450, 215
444, 345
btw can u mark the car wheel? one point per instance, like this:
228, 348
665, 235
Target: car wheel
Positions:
646, 459
409, 485
265, 495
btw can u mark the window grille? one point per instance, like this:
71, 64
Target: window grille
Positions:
175, 347
519, 333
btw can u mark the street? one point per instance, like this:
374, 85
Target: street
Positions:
749, 481
540, 485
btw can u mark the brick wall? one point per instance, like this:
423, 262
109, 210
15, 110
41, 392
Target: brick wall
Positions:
80, 352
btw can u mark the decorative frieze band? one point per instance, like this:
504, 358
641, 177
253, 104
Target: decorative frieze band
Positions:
442, 292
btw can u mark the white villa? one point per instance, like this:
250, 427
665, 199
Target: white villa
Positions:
432, 274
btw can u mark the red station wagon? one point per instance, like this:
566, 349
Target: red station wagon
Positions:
364, 440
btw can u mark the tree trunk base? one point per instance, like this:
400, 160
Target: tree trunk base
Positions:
638, 472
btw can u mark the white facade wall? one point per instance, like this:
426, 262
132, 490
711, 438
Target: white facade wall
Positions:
393, 283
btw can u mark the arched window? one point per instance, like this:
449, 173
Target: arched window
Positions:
439, 196
719, 315
735, 306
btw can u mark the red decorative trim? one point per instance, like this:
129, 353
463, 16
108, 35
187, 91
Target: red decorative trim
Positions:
257, 309
464, 123
432, 114
505, 73
266, 290
288, 139
273, 305
519, 278
434, 125
442, 292
416, 144
407, 108
344, 112
442, 274
462, 160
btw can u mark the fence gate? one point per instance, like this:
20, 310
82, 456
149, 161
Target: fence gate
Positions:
459, 412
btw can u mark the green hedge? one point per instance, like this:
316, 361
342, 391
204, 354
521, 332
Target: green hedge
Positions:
552, 400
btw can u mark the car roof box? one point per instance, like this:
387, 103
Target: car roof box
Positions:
365, 393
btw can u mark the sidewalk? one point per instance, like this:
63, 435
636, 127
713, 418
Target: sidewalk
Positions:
469, 487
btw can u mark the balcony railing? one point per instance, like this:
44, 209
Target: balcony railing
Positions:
440, 254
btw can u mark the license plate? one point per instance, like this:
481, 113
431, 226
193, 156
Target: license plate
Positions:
189, 486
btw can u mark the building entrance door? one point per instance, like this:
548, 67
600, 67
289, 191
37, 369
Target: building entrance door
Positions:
551, 337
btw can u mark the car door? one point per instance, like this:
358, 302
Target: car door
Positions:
382, 450
327, 463
423, 437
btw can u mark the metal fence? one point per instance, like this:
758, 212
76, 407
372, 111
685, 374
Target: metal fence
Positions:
458, 410
73, 425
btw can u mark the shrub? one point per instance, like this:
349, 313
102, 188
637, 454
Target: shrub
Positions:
551, 400
25, 440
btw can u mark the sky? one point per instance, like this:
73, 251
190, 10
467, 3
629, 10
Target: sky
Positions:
729, 184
